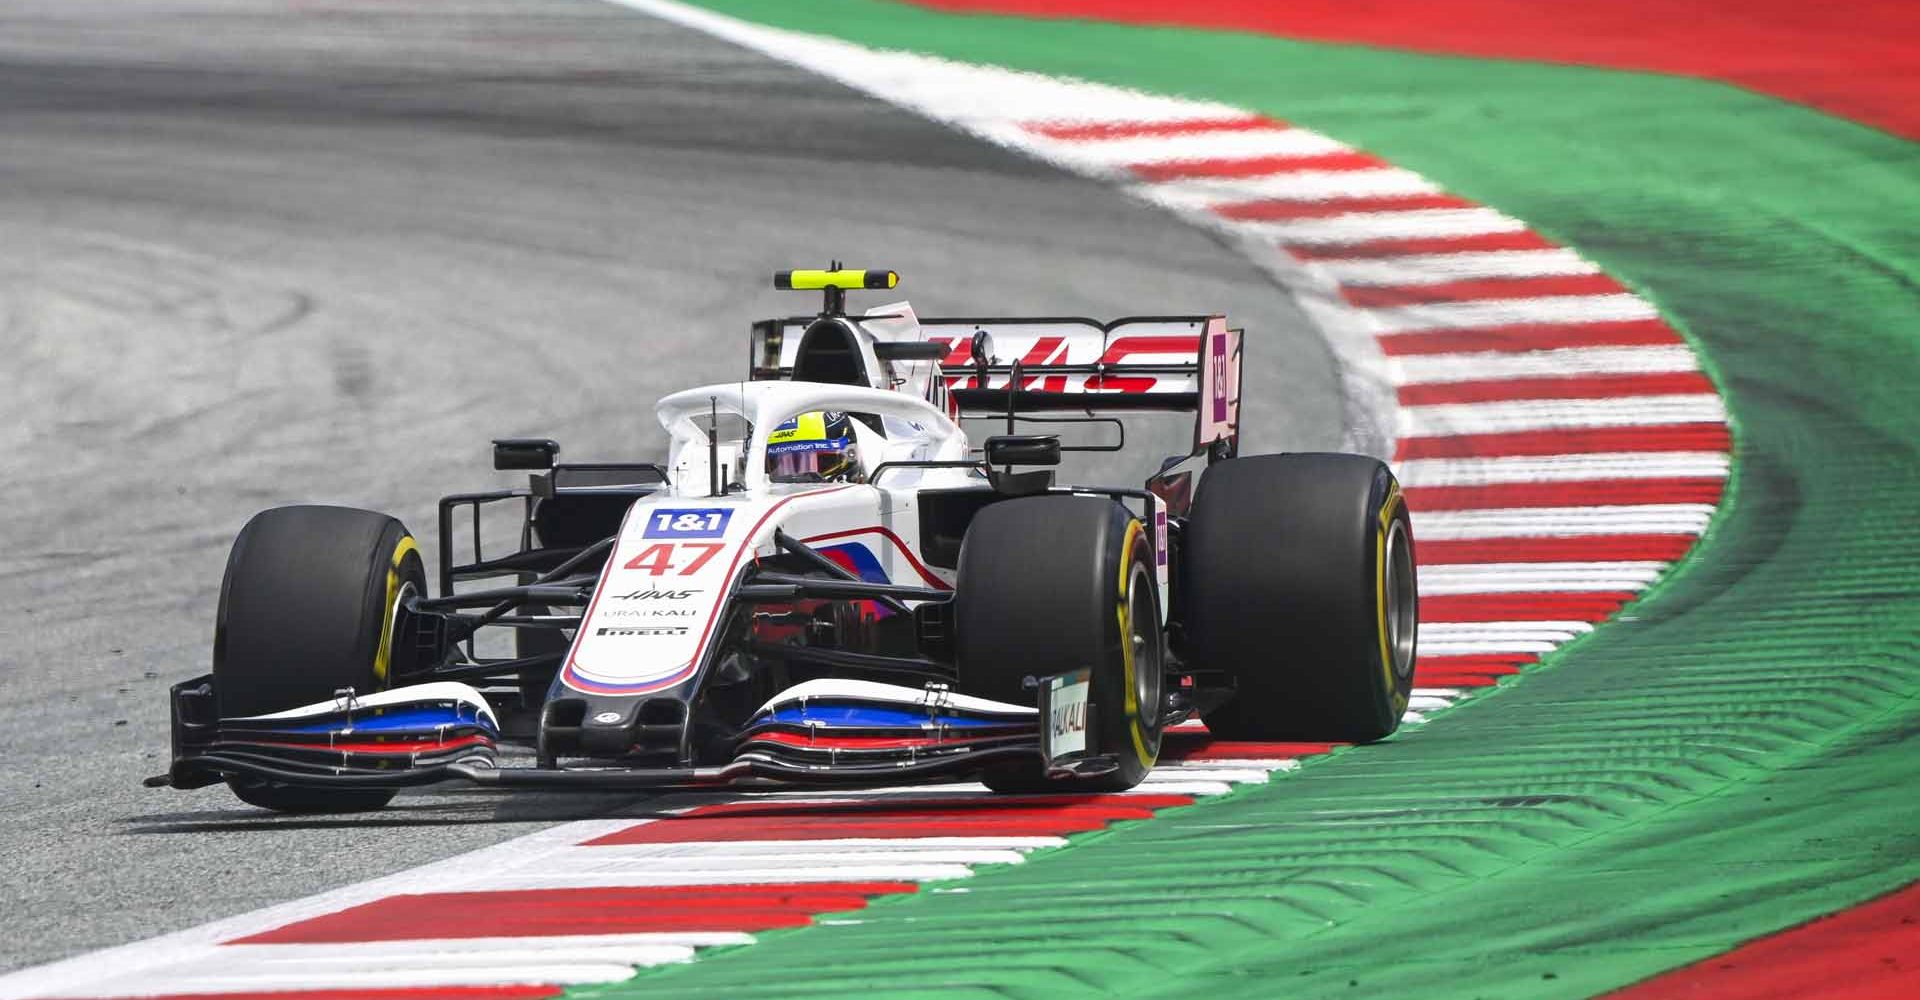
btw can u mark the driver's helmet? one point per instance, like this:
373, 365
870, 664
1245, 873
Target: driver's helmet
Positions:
813, 447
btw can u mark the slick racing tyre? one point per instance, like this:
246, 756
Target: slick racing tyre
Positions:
1297, 579
1052, 584
307, 607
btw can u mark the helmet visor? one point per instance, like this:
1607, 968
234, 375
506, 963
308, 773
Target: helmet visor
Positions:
807, 461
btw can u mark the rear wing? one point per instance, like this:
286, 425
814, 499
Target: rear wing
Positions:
995, 366
1167, 364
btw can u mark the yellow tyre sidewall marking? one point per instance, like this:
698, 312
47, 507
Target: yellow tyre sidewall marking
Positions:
1134, 726
383, 656
1388, 508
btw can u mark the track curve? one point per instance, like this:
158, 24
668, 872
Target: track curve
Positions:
273, 251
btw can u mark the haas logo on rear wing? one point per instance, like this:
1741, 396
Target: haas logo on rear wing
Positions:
1163, 364
1169, 364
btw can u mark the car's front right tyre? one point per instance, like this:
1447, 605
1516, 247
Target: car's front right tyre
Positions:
1052, 584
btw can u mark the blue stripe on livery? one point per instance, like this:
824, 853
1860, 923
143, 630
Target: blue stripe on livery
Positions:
857, 559
874, 717
364, 721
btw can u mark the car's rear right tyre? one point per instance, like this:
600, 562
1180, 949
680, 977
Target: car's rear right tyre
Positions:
1052, 584
1297, 576
309, 607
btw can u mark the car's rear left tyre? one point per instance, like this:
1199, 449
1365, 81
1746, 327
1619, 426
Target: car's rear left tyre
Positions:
1052, 584
1297, 577
308, 607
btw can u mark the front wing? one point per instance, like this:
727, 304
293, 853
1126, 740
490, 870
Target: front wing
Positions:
842, 732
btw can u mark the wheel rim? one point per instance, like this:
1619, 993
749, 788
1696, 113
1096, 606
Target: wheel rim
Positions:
1403, 601
1143, 622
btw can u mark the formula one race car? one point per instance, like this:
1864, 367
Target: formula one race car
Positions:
825, 582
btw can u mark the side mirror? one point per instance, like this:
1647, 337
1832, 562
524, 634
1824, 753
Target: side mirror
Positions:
1023, 449
524, 453
982, 350
909, 350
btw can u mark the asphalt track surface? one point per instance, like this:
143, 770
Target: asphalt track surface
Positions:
273, 251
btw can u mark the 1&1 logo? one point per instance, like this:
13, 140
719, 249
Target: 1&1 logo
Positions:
681, 523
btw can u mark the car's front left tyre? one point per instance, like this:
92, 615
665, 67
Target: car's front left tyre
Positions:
309, 607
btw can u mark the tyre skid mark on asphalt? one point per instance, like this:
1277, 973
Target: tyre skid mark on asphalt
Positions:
1546, 506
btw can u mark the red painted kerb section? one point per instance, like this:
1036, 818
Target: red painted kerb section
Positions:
1858, 60
1868, 952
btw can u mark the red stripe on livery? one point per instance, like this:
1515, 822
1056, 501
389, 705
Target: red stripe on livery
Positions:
1077, 131
1256, 166
1383, 296
1523, 240
899, 544
416, 746
1283, 210
1587, 606
1581, 493
1564, 387
553, 912
1530, 337
1585, 441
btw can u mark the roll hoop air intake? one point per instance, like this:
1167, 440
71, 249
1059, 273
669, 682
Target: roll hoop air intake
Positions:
835, 281
806, 281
